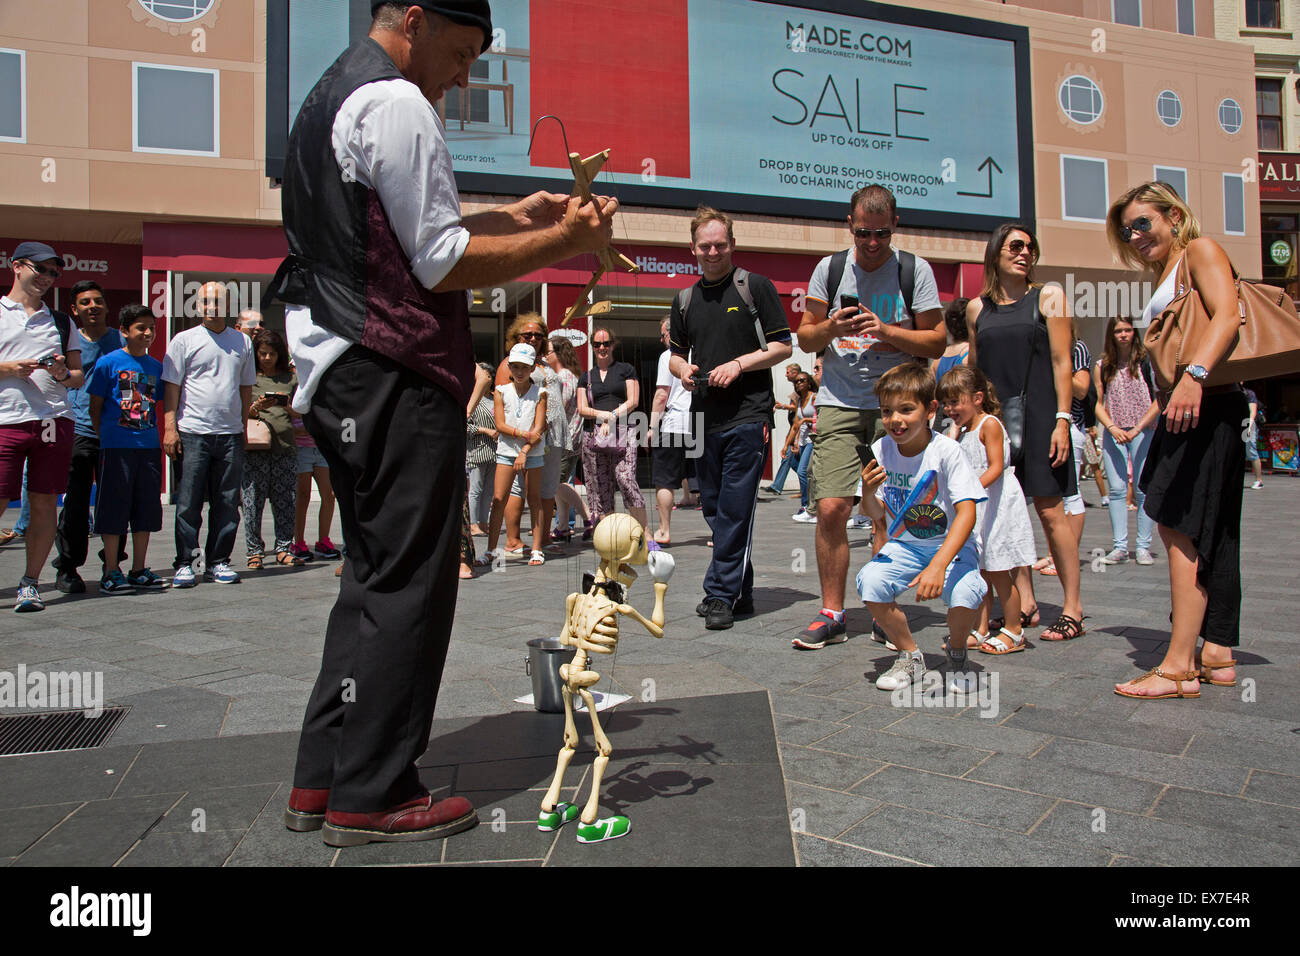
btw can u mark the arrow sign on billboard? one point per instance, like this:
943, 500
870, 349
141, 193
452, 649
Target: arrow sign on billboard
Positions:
990, 164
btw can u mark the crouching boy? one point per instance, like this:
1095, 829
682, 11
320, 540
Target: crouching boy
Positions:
924, 491
123, 408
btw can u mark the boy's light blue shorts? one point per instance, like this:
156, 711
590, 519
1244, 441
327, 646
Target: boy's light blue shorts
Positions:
887, 575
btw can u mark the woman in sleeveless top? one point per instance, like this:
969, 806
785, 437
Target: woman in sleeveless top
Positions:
1194, 470
1020, 339
1127, 409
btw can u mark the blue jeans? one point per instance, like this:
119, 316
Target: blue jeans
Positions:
787, 462
805, 457
212, 467
1117, 458
730, 469
25, 513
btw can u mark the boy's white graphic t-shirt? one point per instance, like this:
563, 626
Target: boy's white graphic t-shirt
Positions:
924, 490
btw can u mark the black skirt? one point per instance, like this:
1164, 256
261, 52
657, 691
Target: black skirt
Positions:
1193, 485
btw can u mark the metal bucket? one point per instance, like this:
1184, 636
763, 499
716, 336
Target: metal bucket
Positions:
545, 655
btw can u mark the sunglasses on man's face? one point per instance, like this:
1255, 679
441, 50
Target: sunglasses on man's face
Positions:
880, 234
601, 345
42, 270
1017, 246
1141, 224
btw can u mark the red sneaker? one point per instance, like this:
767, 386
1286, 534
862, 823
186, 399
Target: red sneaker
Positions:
421, 818
306, 810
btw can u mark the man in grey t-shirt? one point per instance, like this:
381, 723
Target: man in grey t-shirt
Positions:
860, 343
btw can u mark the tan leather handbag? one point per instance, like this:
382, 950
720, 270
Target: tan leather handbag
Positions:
257, 435
1268, 339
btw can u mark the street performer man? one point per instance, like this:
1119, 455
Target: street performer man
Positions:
377, 318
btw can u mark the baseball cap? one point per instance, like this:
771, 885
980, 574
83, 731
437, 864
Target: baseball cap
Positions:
35, 252
470, 13
523, 354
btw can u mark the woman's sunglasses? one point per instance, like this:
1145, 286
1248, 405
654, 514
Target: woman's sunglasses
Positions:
1141, 224
1017, 246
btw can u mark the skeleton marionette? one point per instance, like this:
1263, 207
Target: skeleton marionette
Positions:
591, 626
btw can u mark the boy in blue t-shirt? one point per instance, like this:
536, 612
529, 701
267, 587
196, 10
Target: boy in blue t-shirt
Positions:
124, 394
924, 491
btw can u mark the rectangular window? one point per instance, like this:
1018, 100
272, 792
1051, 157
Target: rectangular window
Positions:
13, 90
1268, 112
1264, 14
1174, 176
1234, 204
1084, 189
176, 109
1187, 17
1127, 11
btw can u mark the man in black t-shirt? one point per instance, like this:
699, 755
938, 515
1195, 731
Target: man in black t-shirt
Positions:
733, 409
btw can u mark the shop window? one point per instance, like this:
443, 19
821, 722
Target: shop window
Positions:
13, 118
177, 11
1234, 204
1268, 112
1187, 17
1280, 242
1175, 177
1230, 116
1264, 14
177, 110
1084, 189
477, 111
1169, 108
1127, 11
1081, 99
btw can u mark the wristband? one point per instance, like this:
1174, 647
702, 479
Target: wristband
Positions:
1064, 416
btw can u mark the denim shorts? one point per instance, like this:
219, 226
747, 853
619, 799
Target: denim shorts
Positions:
887, 575
309, 457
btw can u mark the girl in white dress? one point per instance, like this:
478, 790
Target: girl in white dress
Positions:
1002, 523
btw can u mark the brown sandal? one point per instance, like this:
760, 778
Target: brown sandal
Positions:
254, 562
1207, 672
1176, 678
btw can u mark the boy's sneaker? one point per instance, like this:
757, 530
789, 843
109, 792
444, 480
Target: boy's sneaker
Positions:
299, 549
221, 573
325, 548
183, 577
70, 582
29, 598
961, 679
1257, 486
822, 631
859, 522
1116, 556
144, 578
115, 583
717, 616
1145, 557
803, 517
905, 670
880, 637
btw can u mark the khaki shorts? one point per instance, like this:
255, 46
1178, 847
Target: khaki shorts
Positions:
836, 470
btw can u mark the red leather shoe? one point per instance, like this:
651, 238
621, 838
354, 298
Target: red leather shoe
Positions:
422, 818
306, 810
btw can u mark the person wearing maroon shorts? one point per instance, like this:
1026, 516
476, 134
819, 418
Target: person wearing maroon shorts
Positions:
40, 359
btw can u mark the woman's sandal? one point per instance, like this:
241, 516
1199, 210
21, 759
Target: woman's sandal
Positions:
536, 558
974, 635
996, 645
1066, 627
1026, 620
1177, 680
487, 559
1207, 672
1048, 570
284, 557
254, 562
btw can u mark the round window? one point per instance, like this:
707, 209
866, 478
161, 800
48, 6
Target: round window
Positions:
1230, 116
1081, 99
1169, 108
177, 11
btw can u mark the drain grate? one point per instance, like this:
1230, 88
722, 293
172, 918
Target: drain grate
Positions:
57, 730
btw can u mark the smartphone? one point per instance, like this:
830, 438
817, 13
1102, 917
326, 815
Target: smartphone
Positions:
280, 398
848, 302
866, 456
47, 362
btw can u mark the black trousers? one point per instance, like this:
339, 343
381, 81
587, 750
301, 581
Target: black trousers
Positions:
395, 444
71, 539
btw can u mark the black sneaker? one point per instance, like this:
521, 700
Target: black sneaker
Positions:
70, 582
744, 606
702, 608
822, 631
115, 583
717, 615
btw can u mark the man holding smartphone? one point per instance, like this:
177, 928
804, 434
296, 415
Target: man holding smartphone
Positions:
886, 312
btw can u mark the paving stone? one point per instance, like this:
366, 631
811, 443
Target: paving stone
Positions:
20, 828
824, 769
1002, 739
1100, 728
797, 730
68, 776
270, 843
814, 851
99, 832
1159, 768
1218, 812
214, 763
950, 796
1045, 776
175, 848
826, 813
1273, 788
1244, 752
904, 751
224, 808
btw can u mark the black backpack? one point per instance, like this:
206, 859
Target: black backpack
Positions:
906, 276
739, 279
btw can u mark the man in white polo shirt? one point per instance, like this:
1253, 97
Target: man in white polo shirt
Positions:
209, 374
40, 359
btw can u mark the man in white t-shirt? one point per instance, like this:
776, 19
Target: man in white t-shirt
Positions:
36, 418
860, 343
670, 436
209, 374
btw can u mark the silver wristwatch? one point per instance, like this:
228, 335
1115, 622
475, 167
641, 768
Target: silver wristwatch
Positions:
1198, 372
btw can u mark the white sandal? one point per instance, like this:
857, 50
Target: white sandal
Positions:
536, 558
996, 645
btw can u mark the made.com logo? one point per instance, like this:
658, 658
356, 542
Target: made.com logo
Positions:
77, 909
800, 37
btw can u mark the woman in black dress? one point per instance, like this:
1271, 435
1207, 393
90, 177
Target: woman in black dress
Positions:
1020, 338
1194, 468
